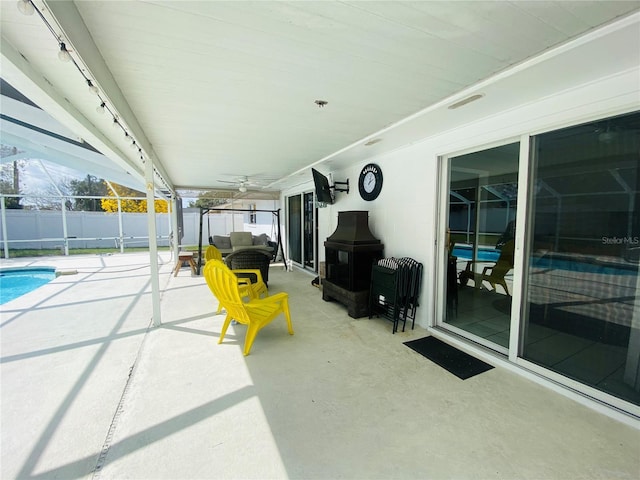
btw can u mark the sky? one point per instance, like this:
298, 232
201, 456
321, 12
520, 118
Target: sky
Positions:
34, 181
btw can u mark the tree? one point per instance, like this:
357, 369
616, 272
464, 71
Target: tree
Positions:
10, 183
89, 186
210, 199
130, 205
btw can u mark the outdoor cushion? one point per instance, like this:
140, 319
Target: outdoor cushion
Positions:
241, 239
261, 239
221, 241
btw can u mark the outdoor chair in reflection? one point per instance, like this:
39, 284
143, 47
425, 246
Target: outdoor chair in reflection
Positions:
255, 313
492, 274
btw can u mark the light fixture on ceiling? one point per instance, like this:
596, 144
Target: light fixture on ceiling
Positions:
92, 87
321, 103
115, 123
242, 188
465, 101
100, 108
63, 54
26, 7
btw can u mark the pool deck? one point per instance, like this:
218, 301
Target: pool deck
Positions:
90, 389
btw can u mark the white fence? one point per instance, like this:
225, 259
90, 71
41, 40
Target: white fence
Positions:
42, 229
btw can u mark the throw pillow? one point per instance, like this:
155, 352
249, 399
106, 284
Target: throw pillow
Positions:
240, 239
221, 241
261, 239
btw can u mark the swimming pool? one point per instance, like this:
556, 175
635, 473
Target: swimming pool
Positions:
15, 282
465, 252
582, 266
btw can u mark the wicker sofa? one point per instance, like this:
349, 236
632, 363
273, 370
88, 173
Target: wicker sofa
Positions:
242, 241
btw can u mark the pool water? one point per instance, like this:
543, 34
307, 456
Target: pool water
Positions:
484, 254
15, 282
583, 267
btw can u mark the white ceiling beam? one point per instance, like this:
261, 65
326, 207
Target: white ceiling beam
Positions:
66, 16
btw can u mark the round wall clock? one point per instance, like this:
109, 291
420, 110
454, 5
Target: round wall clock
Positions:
370, 182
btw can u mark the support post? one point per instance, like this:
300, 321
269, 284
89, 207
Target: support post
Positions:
200, 242
175, 235
65, 232
153, 242
284, 256
5, 239
120, 229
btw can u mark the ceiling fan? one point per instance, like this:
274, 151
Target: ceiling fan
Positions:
242, 183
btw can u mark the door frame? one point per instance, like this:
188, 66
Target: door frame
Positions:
314, 227
441, 250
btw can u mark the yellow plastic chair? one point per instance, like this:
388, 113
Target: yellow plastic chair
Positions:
253, 279
250, 280
256, 313
493, 274
212, 253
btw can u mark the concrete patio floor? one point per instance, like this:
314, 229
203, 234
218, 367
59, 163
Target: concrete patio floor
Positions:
90, 389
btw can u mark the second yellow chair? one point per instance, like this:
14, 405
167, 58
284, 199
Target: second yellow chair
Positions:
256, 313
250, 280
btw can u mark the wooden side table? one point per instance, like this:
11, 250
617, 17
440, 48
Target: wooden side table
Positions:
185, 257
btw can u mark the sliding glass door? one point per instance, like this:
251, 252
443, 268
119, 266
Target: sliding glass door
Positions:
581, 312
309, 232
302, 230
541, 255
294, 228
481, 213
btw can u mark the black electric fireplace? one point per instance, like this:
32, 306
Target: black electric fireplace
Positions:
349, 254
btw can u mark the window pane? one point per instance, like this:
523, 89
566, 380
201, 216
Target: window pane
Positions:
482, 210
582, 304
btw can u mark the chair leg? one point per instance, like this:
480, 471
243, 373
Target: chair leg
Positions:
225, 325
287, 315
252, 331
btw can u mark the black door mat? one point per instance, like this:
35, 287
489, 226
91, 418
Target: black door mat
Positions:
461, 364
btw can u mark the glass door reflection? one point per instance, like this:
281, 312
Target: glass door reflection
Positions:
482, 207
582, 297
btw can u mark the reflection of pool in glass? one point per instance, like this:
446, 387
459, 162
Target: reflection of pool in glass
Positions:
559, 262
465, 252
582, 266
15, 282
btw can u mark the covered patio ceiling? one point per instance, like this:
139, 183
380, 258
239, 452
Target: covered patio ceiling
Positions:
217, 92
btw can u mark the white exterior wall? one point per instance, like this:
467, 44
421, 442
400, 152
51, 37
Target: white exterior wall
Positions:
405, 215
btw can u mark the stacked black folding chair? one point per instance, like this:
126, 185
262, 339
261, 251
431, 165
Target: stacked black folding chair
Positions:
395, 287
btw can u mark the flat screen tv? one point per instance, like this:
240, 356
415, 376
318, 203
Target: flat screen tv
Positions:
323, 189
